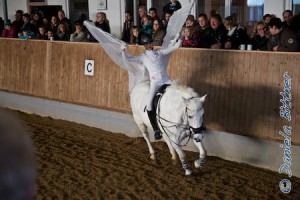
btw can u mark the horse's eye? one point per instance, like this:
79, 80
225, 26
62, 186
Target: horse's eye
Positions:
190, 117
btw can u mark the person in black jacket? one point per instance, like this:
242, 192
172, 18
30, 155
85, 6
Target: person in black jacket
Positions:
204, 31
218, 35
172, 6
260, 38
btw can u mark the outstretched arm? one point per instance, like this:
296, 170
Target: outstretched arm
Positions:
174, 44
129, 57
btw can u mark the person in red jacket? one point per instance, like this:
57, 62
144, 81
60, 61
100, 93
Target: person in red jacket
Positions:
9, 31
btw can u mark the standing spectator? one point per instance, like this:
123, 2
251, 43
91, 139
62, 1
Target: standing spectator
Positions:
18, 23
128, 24
63, 19
218, 35
27, 25
9, 31
135, 38
159, 32
37, 16
237, 34
166, 18
172, 6
291, 22
79, 35
42, 34
1, 25
62, 33
283, 39
267, 18
102, 22
188, 40
153, 13
142, 14
46, 23
53, 24
147, 25
204, 31
260, 39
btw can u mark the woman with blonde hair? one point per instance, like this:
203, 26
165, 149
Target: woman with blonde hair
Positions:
260, 38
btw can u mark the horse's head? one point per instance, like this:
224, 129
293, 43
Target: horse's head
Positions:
195, 113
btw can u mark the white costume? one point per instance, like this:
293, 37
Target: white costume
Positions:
152, 60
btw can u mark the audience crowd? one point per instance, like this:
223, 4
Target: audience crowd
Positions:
269, 34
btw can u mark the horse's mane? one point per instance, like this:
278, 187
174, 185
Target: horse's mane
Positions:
185, 91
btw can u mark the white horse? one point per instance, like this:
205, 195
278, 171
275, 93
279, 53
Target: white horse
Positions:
180, 115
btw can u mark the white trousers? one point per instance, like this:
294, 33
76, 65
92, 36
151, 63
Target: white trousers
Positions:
154, 86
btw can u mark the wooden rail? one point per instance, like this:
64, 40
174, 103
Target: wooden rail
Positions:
243, 86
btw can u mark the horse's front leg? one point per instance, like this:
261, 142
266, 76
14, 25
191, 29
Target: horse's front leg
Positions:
182, 157
171, 148
198, 137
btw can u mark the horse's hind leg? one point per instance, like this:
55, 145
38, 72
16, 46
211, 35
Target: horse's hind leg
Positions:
171, 148
145, 133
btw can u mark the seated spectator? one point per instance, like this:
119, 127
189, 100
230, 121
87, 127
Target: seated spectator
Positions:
25, 34
166, 18
46, 23
188, 40
194, 27
62, 33
42, 34
135, 36
147, 25
218, 35
53, 24
1, 25
51, 35
204, 31
291, 22
63, 19
17, 24
159, 32
9, 31
237, 34
102, 22
260, 39
283, 39
128, 24
79, 35
172, 6
153, 13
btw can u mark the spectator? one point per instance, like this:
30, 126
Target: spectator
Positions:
18, 23
172, 6
128, 24
79, 35
283, 39
102, 22
260, 39
267, 18
204, 31
17, 160
62, 33
9, 31
135, 36
291, 22
42, 34
237, 34
51, 35
153, 13
63, 19
25, 34
218, 35
147, 25
37, 17
194, 27
166, 18
159, 32
46, 23
1, 25
53, 24
27, 25
188, 40
142, 14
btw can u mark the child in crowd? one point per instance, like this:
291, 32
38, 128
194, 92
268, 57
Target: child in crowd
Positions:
135, 36
79, 35
50, 35
188, 40
25, 34
9, 31
147, 25
62, 33
42, 33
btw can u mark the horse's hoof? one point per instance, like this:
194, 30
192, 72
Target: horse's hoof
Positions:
188, 172
199, 163
153, 157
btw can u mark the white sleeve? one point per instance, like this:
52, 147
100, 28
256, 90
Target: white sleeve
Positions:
130, 58
170, 48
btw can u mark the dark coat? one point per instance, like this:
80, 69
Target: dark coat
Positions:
259, 43
238, 37
218, 36
169, 7
286, 40
127, 31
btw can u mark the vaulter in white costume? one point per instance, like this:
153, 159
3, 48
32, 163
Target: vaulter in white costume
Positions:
153, 61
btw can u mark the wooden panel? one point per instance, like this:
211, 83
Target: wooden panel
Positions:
243, 87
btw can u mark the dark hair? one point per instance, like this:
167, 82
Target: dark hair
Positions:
276, 22
266, 15
287, 11
218, 17
203, 15
153, 9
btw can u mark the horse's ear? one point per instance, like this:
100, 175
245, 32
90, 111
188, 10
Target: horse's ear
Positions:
202, 99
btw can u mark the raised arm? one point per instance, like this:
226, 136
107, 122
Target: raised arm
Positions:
129, 57
174, 44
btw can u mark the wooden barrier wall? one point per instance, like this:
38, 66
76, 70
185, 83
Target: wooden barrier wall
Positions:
243, 86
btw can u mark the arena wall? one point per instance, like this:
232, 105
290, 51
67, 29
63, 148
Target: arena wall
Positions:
243, 87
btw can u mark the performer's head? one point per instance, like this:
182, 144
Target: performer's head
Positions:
146, 40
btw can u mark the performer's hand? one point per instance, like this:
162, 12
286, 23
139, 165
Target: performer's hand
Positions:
123, 47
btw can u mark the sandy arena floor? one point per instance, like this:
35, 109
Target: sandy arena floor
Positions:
79, 162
